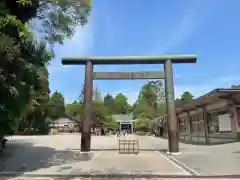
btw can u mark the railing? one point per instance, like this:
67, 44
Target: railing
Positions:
127, 146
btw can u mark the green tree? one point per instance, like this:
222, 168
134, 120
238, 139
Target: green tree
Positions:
20, 76
142, 110
121, 104
39, 107
22, 57
56, 105
159, 90
235, 86
148, 95
143, 124
161, 109
100, 112
186, 97
58, 18
54, 20
150, 102
110, 123
74, 109
109, 102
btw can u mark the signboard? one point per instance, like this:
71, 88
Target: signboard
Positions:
128, 75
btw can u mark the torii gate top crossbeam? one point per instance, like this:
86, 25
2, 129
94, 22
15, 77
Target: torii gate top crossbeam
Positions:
102, 60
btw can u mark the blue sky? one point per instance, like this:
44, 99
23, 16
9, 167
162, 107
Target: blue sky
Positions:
208, 28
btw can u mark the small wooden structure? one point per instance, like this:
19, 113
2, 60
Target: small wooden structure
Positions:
128, 146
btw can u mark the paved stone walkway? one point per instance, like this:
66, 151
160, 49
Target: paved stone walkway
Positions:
60, 156
114, 178
221, 159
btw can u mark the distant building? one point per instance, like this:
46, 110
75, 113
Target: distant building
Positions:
65, 124
124, 122
68, 124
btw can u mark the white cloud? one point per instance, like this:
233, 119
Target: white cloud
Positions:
108, 26
184, 29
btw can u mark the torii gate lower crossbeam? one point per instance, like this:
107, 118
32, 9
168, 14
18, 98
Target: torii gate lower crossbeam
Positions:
173, 142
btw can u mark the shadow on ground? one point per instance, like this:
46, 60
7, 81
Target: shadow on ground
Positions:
203, 142
21, 157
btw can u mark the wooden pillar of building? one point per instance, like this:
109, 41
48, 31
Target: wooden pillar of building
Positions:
236, 121
206, 129
234, 112
189, 126
178, 128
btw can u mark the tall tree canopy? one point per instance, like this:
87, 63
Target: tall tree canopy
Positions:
186, 97
23, 59
121, 104
151, 101
56, 105
109, 102
143, 124
22, 79
100, 110
54, 20
235, 86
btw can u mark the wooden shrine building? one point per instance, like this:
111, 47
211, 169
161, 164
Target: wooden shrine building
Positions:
210, 119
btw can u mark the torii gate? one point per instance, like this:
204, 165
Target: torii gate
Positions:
167, 75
